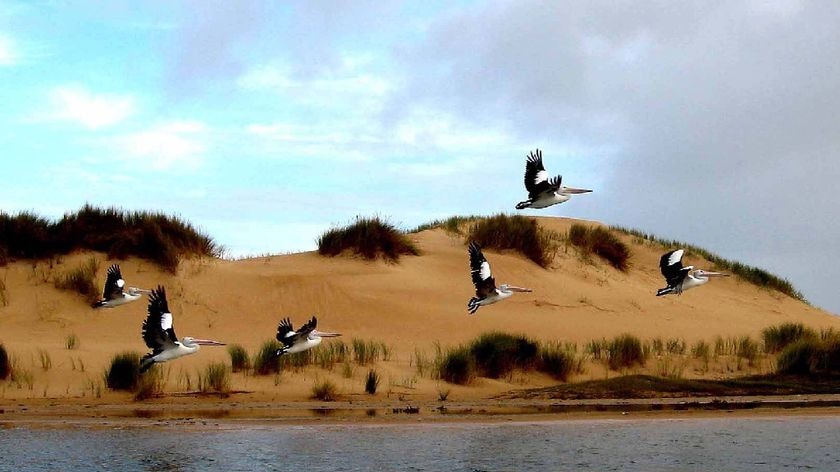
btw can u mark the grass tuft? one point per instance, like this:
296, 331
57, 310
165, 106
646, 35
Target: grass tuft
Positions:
5, 363
452, 224
266, 361
325, 391
150, 384
157, 237
239, 359
601, 242
124, 372
369, 237
496, 354
71, 342
82, 280
216, 378
778, 337
457, 366
372, 382
625, 351
557, 361
518, 233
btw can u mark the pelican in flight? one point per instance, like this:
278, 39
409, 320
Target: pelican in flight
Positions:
115, 293
542, 191
681, 278
305, 338
486, 292
159, 334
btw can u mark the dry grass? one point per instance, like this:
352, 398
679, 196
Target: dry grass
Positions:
82, 280
518, 233
600, 242
369, 237
325, 391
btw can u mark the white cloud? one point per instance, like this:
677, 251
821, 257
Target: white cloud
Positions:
176, 145
8, 55
91, 110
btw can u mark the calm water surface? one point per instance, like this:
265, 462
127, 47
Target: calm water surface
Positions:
718, 444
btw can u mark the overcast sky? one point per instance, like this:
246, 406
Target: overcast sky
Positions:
264, 123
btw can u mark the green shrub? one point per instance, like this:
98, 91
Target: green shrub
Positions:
625, 351
601, 242
372, 382
266, 361
5, 363
778, 337
325, 391
239, 359
557, 361
368, 237
457, 366
82, 280
497, 354
518, 233
216, 378
124, 372
799, 357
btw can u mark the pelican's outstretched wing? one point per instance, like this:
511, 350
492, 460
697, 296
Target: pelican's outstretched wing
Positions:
536, 177
480, 270
670, 264
158, 331
114, 283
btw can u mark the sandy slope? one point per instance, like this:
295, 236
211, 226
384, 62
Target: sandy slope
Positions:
410, 306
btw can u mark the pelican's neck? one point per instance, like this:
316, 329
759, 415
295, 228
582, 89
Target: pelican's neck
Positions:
694, 281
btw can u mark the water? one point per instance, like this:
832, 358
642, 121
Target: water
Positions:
743, 444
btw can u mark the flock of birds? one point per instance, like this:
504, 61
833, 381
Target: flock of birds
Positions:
159, 332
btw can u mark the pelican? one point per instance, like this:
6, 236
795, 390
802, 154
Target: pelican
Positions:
301, 340
542, 191
114, 295
681, 278
485, 286
159, 334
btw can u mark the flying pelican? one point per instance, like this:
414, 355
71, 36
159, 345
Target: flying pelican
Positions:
159, 334
113, 295
485, 286
681, 278
542, 191
305, 338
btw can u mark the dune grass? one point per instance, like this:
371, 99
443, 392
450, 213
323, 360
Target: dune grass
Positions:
124, 372
516, 232
496, 354
150, 384
451, 225
239, 360
810, 356
160, 238
601, 242
457, 366
216, 378
372, 382
81, 280
5, 363
779, 337
625, 351
266, 360
751, 274
325, 391
370, 238
558, 361
71, 342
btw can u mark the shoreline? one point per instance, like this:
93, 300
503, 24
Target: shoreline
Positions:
230, 414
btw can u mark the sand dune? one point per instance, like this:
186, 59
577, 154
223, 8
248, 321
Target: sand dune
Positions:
410, 306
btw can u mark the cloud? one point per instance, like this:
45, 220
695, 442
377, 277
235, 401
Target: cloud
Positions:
8, 52
93, 111
171, 146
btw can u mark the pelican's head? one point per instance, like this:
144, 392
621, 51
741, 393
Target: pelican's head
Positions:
511, 288
705, 274
192, 342
320, 334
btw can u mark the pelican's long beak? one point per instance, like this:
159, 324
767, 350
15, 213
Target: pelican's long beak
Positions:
715, 274
208, 342
141, 290
573, 190
325, 335
518, 289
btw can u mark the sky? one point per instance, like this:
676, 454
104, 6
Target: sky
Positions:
266, 123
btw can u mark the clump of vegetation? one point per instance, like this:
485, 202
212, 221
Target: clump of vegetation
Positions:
5, 363
71, 342
327, 355
239, 359
266, 361
457, 366
597, 348
754, 275
45, 359
372, 382
748, 350
450, 225
82, 280
518, 233
366, 352
496, 354
4, 296
216, 378
557, 361
810, 356
369, 237
625, 351
124, 372
150, 384
157, 237
325, 391
778, 337
601, 242
701, 350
